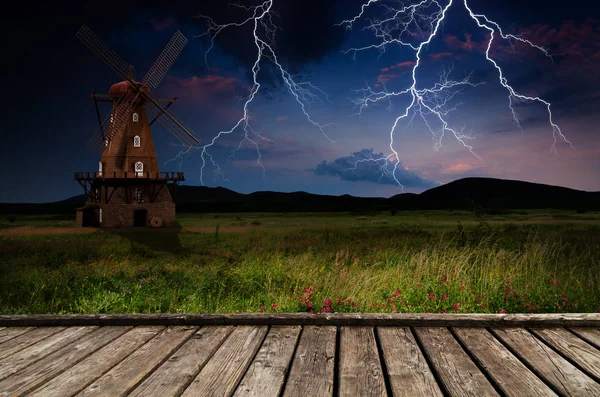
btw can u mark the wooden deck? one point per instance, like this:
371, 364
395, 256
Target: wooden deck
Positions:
300, 355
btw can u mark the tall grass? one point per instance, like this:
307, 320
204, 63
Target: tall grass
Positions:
387, 266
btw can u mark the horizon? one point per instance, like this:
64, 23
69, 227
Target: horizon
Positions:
318, 194
49, 130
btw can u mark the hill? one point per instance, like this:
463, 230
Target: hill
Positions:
464, 194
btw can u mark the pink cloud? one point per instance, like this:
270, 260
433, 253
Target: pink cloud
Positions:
577, 45
203, 89
440, 55
280, 118
468, 45
460, 167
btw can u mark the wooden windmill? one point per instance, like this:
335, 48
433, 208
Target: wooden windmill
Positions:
128, 189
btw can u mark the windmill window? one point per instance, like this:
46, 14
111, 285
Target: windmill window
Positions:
111, 117
100, 169
139, 195
136, 118
136, 141
139, 168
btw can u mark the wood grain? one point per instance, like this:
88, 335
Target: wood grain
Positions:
510, 374
584, 354
12, 332
225, 369
120, 380
337, 319
54, 364
312, 369
78, 377
590, 335
26, 357
360, 372
460, 375
27, 339
550, 365
407, 369
266, 374
171, 378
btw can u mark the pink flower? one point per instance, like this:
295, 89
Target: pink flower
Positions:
456, 306
443, 278
462, 287
431, 295
502, 311
394, 310
444, 297
390, 300
274, 306
340, 301
397, 293
262, 308
309, 304
304, 299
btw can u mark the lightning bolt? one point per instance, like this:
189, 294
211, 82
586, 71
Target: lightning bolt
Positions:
423, 20
303, 92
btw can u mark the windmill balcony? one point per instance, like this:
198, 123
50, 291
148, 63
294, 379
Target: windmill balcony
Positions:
154, 176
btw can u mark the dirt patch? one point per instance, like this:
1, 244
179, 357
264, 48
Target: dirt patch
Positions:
38, 231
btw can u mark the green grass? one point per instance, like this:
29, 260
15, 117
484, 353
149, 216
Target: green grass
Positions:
426, 261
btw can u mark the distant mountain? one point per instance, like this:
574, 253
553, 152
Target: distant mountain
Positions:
463, 194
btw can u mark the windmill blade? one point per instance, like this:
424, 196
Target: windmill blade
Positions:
173, 124
165, 60
96, 142
114, 121
104, 52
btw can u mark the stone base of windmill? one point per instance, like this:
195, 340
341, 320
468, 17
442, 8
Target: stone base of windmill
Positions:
155, 215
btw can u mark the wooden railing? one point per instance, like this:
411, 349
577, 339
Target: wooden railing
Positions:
169, 176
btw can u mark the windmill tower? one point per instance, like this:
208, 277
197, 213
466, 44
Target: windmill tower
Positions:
128, 189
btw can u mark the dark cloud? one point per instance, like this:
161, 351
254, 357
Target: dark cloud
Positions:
348, 169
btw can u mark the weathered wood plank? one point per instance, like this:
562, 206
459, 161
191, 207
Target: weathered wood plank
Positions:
459, 374
360, 372
550, 365
266, 374
22, 341
584, 354
510, 374
590, 335
120, 380
79, 376
47, 368
407, 369
9, 333
337, 319
222, 373
24, 358
312, 369
171, 378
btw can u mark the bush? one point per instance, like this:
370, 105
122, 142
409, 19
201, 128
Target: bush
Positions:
580, 211
11, 218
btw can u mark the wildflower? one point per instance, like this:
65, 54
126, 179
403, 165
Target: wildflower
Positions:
304, 299
262, 308
309, 305
419, 285
340, 301
394, 310
274, 306
456, 306
443, 278
462, 287
444, 297
431, 295
390, 300
397, 293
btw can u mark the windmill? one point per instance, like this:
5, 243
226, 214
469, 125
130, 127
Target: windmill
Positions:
128, 189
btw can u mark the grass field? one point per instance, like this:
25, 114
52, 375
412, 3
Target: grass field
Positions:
422, 261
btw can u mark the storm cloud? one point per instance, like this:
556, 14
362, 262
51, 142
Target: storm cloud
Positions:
366, 166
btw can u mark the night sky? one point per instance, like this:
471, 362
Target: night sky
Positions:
47, 75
